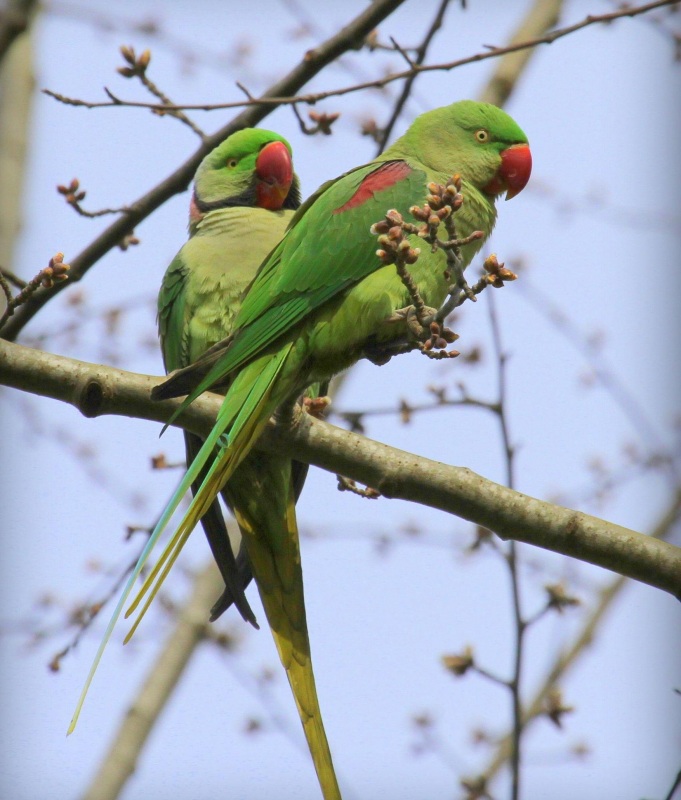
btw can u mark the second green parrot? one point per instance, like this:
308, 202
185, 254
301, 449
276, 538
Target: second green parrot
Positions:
245, 192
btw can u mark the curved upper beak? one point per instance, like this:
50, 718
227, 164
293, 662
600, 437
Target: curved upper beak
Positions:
516, 167
274, 170
514, 172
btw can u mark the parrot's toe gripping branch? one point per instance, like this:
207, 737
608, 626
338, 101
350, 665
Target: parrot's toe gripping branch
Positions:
380, 354
425, 332
316, 406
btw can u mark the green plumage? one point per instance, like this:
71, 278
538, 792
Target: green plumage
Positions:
202, 290
319, 300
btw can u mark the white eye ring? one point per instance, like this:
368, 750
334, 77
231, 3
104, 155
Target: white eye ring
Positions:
482, 135
232, 163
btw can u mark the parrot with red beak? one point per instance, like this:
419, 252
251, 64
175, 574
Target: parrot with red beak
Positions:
320, 301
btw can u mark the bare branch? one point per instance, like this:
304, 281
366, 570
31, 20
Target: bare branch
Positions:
311, 64
420, 57
542, 16
624, 399
95, 390
492, 51
125, 749
56, 270
569, 656
137, 68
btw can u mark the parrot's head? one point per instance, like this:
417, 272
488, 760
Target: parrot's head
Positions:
480, 142
252, 168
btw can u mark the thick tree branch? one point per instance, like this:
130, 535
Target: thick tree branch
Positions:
95, 390
540, 18
312, 63
125, 749
14, 21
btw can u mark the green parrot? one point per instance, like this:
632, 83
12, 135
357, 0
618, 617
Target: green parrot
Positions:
320, 300
244, 196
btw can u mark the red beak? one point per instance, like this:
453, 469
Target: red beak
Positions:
274, 170
514, 172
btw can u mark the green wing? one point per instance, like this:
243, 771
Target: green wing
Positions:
326, 250
171, 310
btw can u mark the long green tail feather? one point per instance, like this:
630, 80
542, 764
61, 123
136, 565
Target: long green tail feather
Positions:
174, 501
252, 417
272, 540
241, 439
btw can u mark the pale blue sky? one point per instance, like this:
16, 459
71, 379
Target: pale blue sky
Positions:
601, 112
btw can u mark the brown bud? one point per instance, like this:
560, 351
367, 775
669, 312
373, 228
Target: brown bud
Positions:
128, 53
459, 663
159, 462
559, 598
555, 708
323, 121
144, 59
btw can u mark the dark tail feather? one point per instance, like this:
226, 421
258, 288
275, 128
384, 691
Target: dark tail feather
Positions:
299, 471
243, 565
183, 381
244, 577
236, 573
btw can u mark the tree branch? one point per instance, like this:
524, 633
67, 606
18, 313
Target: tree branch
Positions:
312, 63
542, 16
569, 655
95, 390
491, 51
125, 749
420, 57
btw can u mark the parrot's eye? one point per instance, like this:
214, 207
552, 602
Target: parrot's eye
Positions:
482, 135
232, 163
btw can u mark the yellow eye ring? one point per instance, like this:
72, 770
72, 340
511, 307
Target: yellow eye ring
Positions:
232, 162
482, 135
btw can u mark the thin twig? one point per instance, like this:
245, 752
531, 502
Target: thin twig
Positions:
312, 63
421, 53
627, 403
56, 270
136, 67
511, 555
314, 97
570, 655
15, 280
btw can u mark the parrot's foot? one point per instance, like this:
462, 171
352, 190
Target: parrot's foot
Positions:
380, 354
348, 485
316, 406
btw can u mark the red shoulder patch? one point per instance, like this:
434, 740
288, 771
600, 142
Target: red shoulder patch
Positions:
386, 175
